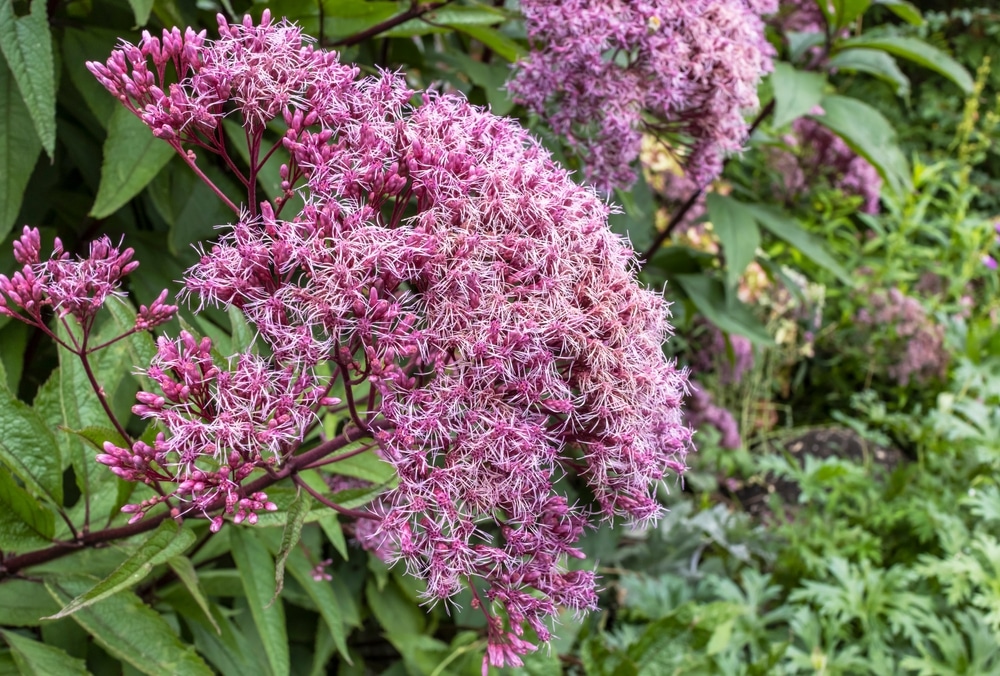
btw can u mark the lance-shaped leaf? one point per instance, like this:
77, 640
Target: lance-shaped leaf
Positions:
324, 596
130, 630
24, 522
290, 537
37, 659
728, 313
919, 52
24, 603
796, 92
257, 572
132, 157
19, 149
27, 46
869, 134
28, 447
787, 228
737, 231
186, 573
167, 541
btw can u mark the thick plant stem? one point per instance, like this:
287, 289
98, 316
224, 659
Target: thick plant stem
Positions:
15, 564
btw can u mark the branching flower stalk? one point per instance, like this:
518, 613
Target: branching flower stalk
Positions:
483, 323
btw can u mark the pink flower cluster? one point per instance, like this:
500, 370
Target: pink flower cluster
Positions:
71, 287
711, 354
446, 262
914, 338
702, 411
817, 156
603, 72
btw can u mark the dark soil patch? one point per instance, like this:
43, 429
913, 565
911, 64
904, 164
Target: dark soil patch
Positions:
840, 442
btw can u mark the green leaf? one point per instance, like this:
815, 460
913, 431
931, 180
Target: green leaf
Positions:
729, 314
796, 92
81, 409
24, 603
367, 466
334, 533
130, 630
323, 595
28, 448
37, 659
846, 11
24, 522
186, 573
904, 10
27, 46
737, 231
492, 78
501, 45
80, 46
139, 348
637, 221
290, 536
394, 611
257, 572
451, 17
869, 134
141, 9
19, 150
241, 332
132, 157
919, 52
787, 228
873, 62
167, 541
218, 639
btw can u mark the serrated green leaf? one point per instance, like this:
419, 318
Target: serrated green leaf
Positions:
140, 348
917, 51
19, 150
81, 409
167, 541
130, 630
132, 157
325, 598
27, 45
796, 92
257, 572
37, 659
218, 639
787, 228
24, 603
729, 314
869, 134
186, 573
873, 62
24, 522
290, 536
737, 231
28, 447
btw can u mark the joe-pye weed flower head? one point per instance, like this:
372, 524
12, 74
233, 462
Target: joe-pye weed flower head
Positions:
447, 269
603, 72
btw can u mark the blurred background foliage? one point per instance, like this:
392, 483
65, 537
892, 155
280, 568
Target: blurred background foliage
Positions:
842, 515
